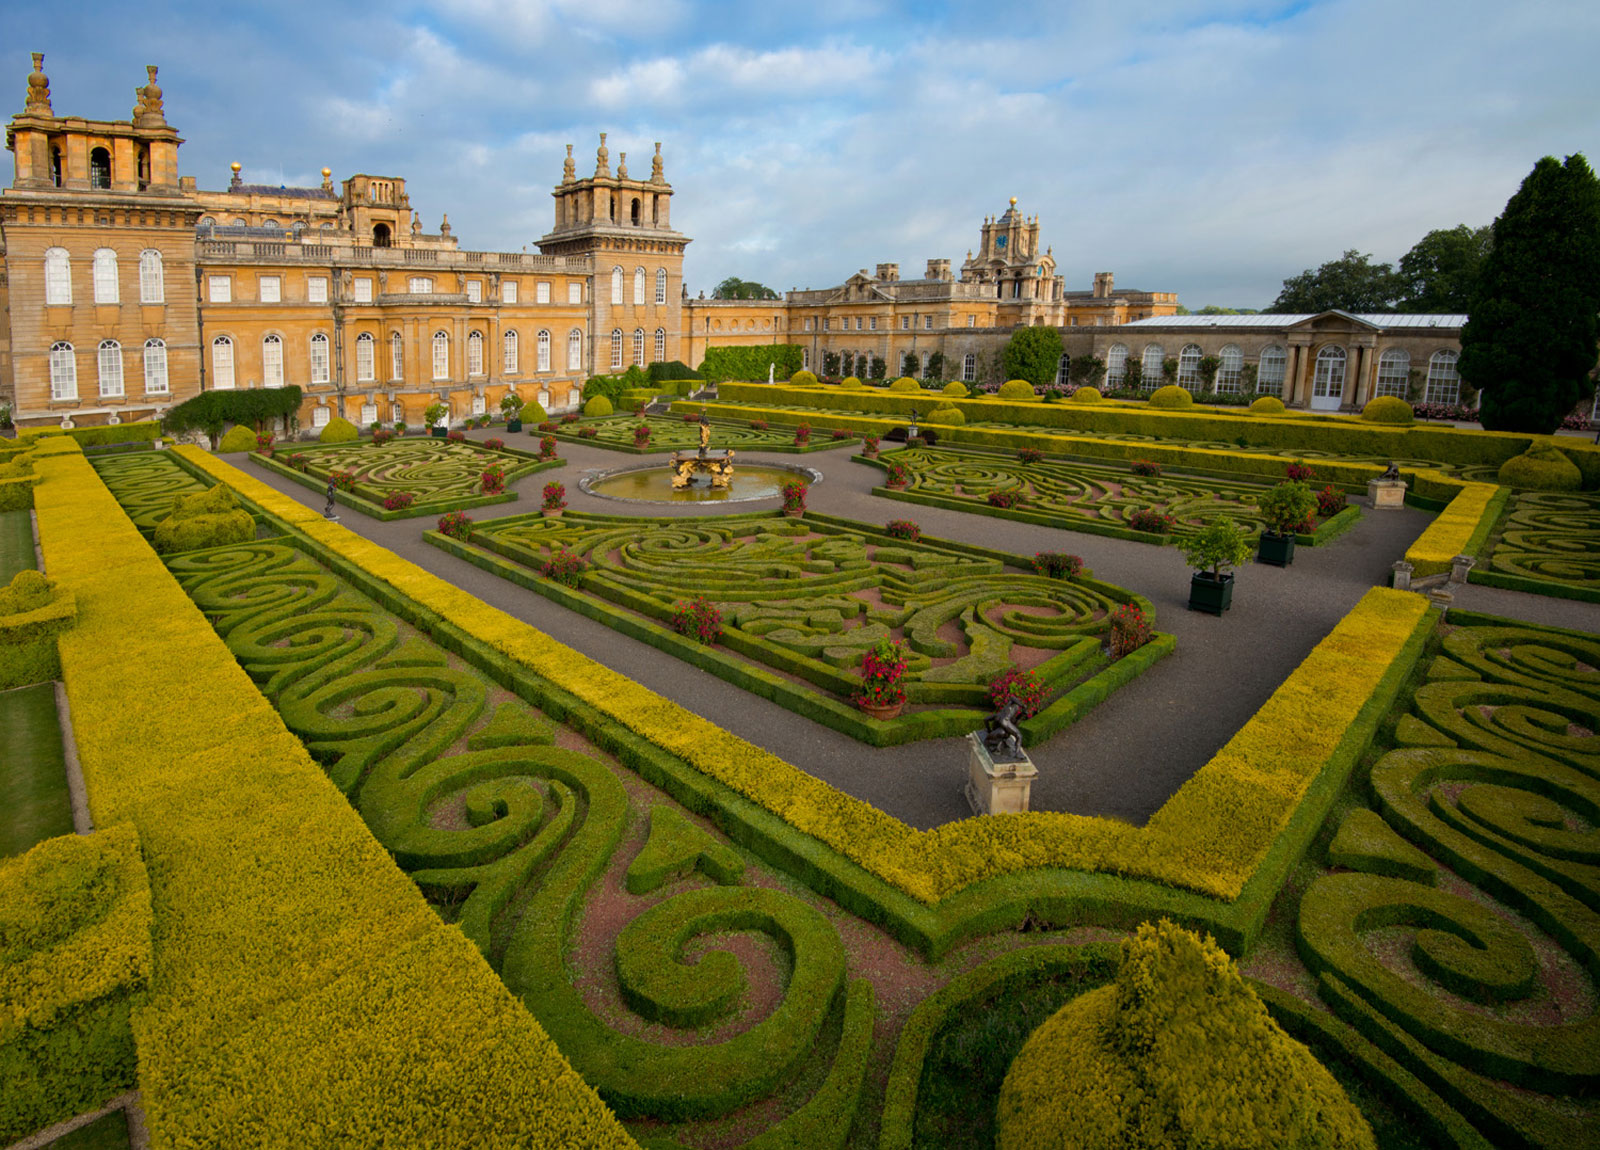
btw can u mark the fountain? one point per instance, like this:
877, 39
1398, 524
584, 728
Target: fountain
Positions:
686, 470
695, 478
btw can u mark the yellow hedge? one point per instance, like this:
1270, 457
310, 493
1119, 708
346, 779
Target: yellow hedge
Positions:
303, 991
1209, 837
1452, 532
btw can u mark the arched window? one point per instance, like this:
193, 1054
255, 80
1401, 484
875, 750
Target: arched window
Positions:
222, 363
63, 372
616, 287
319, 358
380, 236
635, 212
475, 353
544, 351
110, 369
1444, 382
1230, 364
1150, 365
969, 368
152, 285
616, 349
1394, 373
100, 169
272, 361
1189, 366
208, 221
155, 367
638, 345
105, 276
1063, 365
574, 350
1116, 364
638, 287
366, 360
1271, 366
805, 352
441, 355
509, 340
661, 345
57, 277
661, 286
1328, 382
397, 357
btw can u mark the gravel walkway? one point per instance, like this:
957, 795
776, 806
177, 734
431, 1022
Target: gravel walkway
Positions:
1124, 760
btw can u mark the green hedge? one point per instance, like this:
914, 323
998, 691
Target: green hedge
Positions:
371, 503
33, 612
751, 362
105, 435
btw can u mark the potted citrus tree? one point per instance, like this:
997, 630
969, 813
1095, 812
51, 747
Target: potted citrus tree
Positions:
1288, 508
511, 407
1214, 549
431, 416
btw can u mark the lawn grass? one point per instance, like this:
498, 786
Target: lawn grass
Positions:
16, 544
34, 805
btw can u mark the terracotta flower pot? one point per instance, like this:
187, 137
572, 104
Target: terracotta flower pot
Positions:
551, 512
885, 711
796, 513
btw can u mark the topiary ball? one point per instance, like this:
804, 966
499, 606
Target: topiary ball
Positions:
339, 430
1171, 396
1177, 1052
1268, 405
803, 378
29, 591
1016, 389
850, 382
947, 415
905, 383
956, 390
209, 518
1543, 467
1388, 409
598, 406
1087, 395
238, 438
535, 414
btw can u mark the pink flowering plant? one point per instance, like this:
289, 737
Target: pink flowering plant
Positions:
883, 672
555, 496
1130, 630
456, 525
906, 529
794, 494
564, 567
398, 500
547, 447
699, 619
1021, 686
494, 481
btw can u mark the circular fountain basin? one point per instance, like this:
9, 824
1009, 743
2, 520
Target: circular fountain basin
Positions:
653, 484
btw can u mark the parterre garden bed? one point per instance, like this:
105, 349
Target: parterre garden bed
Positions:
617, 433
1546, 542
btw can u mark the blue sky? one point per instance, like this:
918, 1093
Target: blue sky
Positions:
1211, 149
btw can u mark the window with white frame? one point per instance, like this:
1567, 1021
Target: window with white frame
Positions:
508, 292
420, 285
321, 415
475, 353
397, 357
1150, 365
222, 363
616, 287
366, 360
805, 358
1189, 366
369, 414
969, 368
905, 323
105, 277
271, 290
661, 286
152, 283
544, 351
479, 405
616, 348
441, 355
319, 358
1394, 373
110, 369
474, 291
1271, 366
827, 324
272, 361
219, 289
1116, 364
1327, 382
574, 292
574, 350
1062, 366
638, 345
317, 289
398, 412
927, 323
661, 345
63, 372
972, 321
1444, 382
58, 279
155, 367
363, 290
808, 323
1230, 362
509, 347
638, 287
859, 322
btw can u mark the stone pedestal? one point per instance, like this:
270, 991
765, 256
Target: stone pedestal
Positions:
1441, 598
1386, 494
996, 788
1460, 567
1402, 575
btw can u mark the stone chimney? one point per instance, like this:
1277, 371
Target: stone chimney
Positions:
939, 270
1102, 285
888, 273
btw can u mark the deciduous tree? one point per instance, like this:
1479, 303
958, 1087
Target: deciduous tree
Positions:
1033, 354
1351, 283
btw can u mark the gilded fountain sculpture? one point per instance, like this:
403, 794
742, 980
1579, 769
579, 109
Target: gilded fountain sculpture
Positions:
686, 469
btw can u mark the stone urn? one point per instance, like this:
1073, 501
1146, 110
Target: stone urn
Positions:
551, 512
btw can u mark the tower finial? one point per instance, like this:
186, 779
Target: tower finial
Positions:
657, 173
602, 158
327, 179
148, 112
568, 169
38, 89
1013, 201
236, 181
622, 165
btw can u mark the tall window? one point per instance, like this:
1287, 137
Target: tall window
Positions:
616, 287
57, 277
363, 291
661, 286
222, 362
1271, 367
272, 361
63, 372
616, 348
1444, 382
319, 358
475, 353
544, 351
270, 290
638, 287
152, 284
219, 289
110, 369
1116, 364
1189, 367
474, 291
1150, 366
317, 289
1063, 365
1394, 373
397, 357
508, 292
100, 170
638, 345
105, 276
1231, 364
366, 360
969, 368
1328, 383
155, 367
441, 355
574, 350
509, 364
661, 345
575, 292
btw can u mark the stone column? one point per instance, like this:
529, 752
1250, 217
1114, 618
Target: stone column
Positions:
1355, 383
1291, 381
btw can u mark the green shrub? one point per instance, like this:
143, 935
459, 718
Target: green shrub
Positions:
1177, 1052
1268, 405
210, 518
210, 411
597, 407
752, 362
1541, 468
946, 415
1087, 395
29, 591
239, 438
1016, 389
956, 390
905, 384
534, 413
1171, 396
804, 378
851, 382
339, 430
1388, 409
670, 369
33, 611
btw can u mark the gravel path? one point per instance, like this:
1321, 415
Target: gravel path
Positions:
1124, 760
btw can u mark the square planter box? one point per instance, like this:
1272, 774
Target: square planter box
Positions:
438, 432
1278, 550
1211, 595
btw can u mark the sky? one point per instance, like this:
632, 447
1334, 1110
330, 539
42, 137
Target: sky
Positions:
1210, 147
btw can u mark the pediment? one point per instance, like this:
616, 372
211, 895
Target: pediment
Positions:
1334, 320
